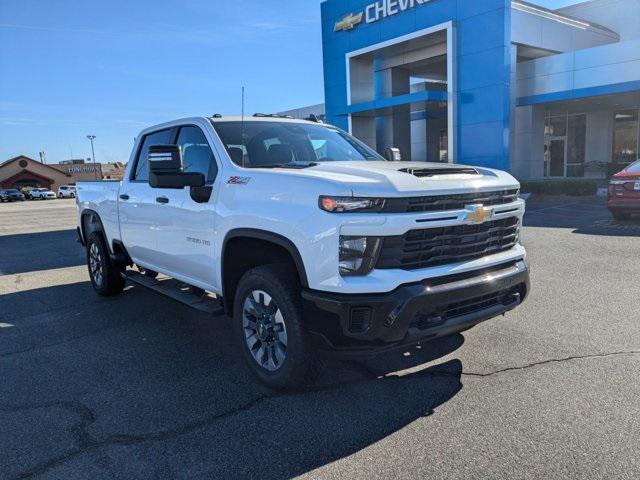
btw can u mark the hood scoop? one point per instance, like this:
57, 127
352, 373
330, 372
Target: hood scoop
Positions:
434, 172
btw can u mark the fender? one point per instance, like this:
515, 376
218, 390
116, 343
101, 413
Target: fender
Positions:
117, 251
84, 234
275, 238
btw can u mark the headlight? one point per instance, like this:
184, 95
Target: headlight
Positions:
358, 255
350, 204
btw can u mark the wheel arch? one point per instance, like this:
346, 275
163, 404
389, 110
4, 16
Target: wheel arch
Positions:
273, 248
91, 222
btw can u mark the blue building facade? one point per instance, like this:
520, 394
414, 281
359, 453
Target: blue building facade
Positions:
497, 83
478, 49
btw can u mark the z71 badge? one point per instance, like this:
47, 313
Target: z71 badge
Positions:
233, 180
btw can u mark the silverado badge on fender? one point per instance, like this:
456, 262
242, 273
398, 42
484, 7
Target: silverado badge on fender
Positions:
477, 213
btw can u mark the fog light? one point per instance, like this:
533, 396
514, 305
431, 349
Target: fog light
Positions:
358, 255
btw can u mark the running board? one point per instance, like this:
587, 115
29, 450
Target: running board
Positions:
178, 291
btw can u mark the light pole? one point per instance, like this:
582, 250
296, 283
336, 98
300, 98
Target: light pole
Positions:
93, 155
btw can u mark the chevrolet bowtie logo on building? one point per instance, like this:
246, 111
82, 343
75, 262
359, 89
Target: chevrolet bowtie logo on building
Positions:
348, 22
477, 213
377, 11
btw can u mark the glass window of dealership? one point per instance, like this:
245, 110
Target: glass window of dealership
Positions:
496, 83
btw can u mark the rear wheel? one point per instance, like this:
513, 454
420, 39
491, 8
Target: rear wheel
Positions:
620, 215
268, 326
105, 274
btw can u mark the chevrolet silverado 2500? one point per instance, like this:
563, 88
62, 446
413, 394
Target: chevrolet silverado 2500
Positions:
307, 237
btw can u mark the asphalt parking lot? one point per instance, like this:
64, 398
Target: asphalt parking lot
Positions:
141, 387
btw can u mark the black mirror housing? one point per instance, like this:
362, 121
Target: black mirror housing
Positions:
166, 170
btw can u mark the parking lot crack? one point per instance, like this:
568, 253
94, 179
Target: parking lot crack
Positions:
550, 361
86, 442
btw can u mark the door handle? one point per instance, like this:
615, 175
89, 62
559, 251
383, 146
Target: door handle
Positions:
162, 200
124, 196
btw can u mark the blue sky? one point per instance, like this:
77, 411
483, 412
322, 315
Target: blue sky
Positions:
110, 68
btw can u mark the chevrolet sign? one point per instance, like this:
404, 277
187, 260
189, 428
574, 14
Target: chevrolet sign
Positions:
377, 11
348, 22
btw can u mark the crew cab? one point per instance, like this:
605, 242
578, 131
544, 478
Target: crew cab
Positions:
308, 237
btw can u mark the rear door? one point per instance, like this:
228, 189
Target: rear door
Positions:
137, 205
185, 221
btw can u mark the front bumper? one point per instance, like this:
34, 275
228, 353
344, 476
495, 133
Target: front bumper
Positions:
370, 324
628, 204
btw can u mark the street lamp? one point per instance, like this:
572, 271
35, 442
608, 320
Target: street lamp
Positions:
93, 154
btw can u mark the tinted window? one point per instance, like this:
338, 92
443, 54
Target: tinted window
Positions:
163, 137
263, 144
197, 155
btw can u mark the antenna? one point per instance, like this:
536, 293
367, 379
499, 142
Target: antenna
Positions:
242, 127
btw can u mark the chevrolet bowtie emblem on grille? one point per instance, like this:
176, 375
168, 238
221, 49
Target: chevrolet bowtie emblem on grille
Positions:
348, 22
477, 213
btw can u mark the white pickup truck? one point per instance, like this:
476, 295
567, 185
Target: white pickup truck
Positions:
307, 237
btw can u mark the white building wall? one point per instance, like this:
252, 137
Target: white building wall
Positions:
593, 67
621, 16
548, 31
527, 157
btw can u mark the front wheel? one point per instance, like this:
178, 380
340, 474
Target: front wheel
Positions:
105, 274
268, 326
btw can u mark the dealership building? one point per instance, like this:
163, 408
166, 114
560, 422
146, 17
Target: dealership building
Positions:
498, 83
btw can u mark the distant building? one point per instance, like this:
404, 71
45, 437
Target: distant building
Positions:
112, 171
23, 171
79, 170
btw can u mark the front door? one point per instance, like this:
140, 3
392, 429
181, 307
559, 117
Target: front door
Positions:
137, 207
557, 155
184, 224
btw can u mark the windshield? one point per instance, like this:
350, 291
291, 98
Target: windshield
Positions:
270, 144
634, 167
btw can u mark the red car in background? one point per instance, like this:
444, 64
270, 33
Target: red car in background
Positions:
624, 192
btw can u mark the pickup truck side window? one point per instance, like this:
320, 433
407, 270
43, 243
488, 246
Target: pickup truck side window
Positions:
163, 137
197, 155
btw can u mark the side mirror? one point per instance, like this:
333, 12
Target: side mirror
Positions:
166, 171
392, 154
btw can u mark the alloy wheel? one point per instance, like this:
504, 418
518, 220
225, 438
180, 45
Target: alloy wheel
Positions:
264, 330
95, 264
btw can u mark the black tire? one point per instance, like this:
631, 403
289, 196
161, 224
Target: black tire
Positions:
73, 195
300, 365
620, 215
106, 275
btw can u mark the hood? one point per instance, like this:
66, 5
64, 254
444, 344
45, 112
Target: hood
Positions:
373, 178
626, 175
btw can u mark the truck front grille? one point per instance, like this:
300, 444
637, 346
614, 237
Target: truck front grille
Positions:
440, 203
433, 247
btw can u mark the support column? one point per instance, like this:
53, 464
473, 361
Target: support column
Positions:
394, 128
